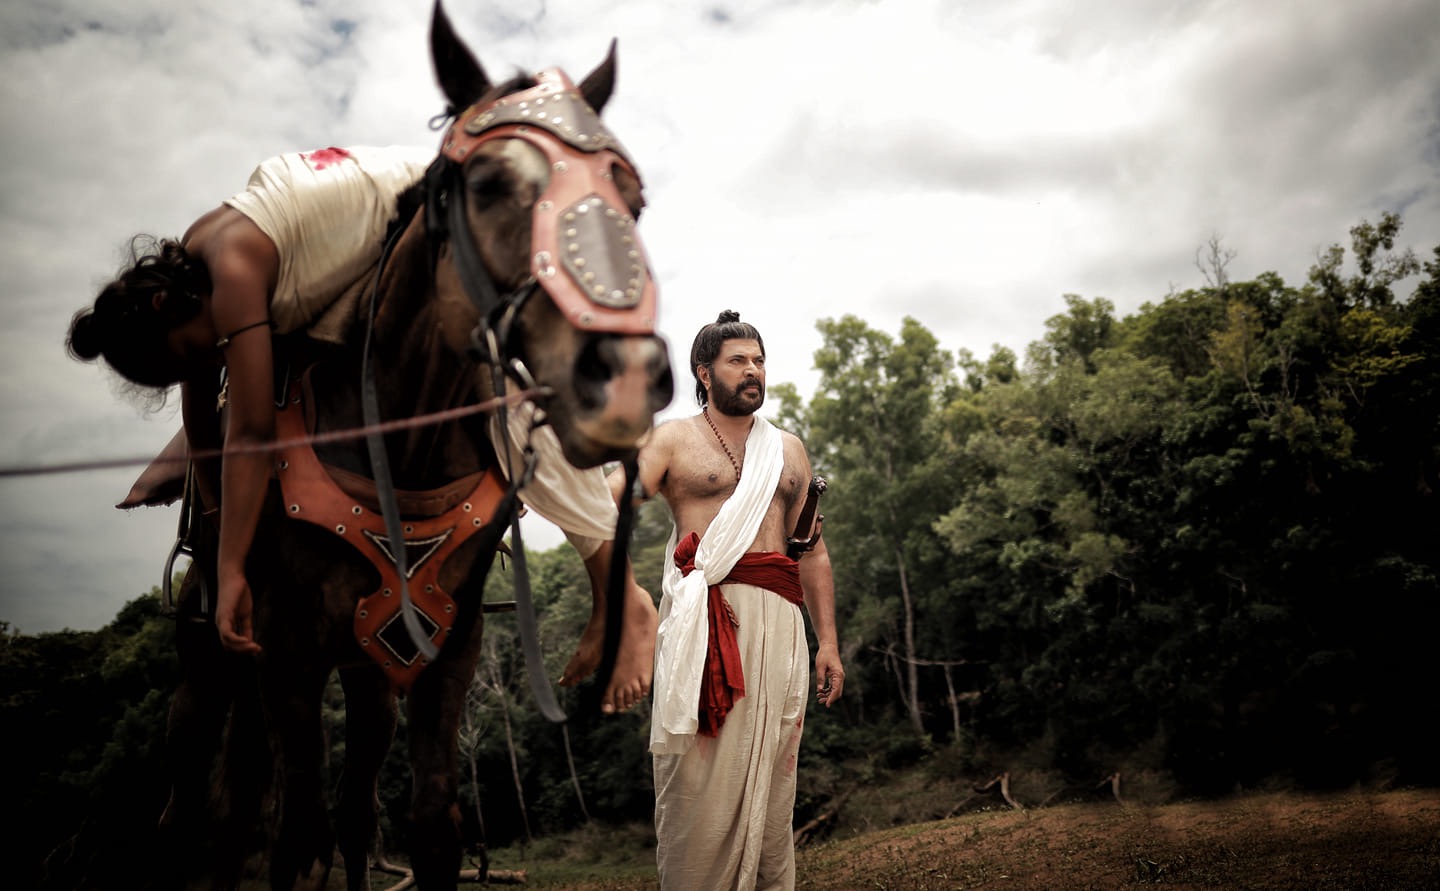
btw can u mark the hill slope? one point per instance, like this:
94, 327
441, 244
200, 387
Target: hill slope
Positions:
1386, 841
1364, 841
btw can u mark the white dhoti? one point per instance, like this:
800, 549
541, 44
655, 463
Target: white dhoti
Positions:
724, 808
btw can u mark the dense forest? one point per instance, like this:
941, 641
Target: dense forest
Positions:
1197, 543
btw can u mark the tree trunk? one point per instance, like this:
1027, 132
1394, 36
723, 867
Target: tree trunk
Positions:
1114, 781
470, 737
495, 877
498, 686
954, 705
515, 766
912, 672
1003, 781
574, 777
801, 834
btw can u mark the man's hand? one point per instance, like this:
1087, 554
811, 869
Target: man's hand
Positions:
829, 675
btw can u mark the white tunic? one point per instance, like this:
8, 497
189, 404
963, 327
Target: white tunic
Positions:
327, 211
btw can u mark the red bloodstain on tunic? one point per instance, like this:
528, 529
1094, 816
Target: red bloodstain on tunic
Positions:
322, 158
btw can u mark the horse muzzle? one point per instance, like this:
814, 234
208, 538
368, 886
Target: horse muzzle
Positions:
621, 382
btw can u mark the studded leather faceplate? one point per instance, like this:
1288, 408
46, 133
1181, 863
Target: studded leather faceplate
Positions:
585, 250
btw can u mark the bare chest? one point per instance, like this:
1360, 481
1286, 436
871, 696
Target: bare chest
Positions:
703, 477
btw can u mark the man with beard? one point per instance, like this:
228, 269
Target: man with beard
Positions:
731, 661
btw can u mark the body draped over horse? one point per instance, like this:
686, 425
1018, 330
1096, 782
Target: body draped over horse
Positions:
514, 266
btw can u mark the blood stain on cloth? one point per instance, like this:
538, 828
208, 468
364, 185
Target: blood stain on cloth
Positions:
792, 746
322, 158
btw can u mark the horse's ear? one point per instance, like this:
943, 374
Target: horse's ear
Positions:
600, 83
456, 69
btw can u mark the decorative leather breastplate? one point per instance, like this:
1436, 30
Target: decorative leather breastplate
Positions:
436, 523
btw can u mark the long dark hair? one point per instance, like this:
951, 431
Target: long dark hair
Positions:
727, 326
128, 325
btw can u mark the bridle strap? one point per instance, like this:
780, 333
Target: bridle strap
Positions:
529, 628
474, 277
380, 467
445, 213
615, 585
445, 209
524, 603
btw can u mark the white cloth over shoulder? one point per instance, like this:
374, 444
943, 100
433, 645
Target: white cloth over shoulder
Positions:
327, 211
681, 639
578, 501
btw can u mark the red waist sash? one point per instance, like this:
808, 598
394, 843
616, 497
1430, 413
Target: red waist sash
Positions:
724, 679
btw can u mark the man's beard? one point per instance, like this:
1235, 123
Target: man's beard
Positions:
740, 402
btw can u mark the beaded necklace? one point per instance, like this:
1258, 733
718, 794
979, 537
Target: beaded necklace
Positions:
716, 430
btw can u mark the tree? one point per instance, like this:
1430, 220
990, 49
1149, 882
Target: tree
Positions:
875, 427
1076, 335
85, 714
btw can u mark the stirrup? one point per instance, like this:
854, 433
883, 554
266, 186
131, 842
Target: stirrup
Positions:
184, 544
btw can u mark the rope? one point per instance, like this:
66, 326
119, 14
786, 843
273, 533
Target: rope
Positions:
439, 417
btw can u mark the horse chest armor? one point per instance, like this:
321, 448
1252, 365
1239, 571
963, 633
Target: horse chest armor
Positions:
435, 525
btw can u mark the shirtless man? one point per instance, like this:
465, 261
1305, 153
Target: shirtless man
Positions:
731, 669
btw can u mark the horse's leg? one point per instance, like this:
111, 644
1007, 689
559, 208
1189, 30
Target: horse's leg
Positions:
304, 847
369, 731
434, 708
210, 681
303, 587
192, 740
248, 776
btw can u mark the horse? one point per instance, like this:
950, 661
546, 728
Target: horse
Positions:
518, 266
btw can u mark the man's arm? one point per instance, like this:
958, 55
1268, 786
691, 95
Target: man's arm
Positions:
819, 586
652, 463
818, 583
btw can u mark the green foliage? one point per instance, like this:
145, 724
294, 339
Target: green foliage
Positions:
876, 434
84, 714
1075, 337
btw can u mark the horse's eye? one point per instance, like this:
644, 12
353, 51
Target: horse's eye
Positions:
488, 181
629, 185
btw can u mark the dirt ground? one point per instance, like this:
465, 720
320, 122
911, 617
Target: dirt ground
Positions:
1382, 842
1386, 841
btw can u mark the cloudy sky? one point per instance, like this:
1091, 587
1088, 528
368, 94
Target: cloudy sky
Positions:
963, 163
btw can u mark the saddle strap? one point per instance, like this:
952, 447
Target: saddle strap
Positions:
312, 493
